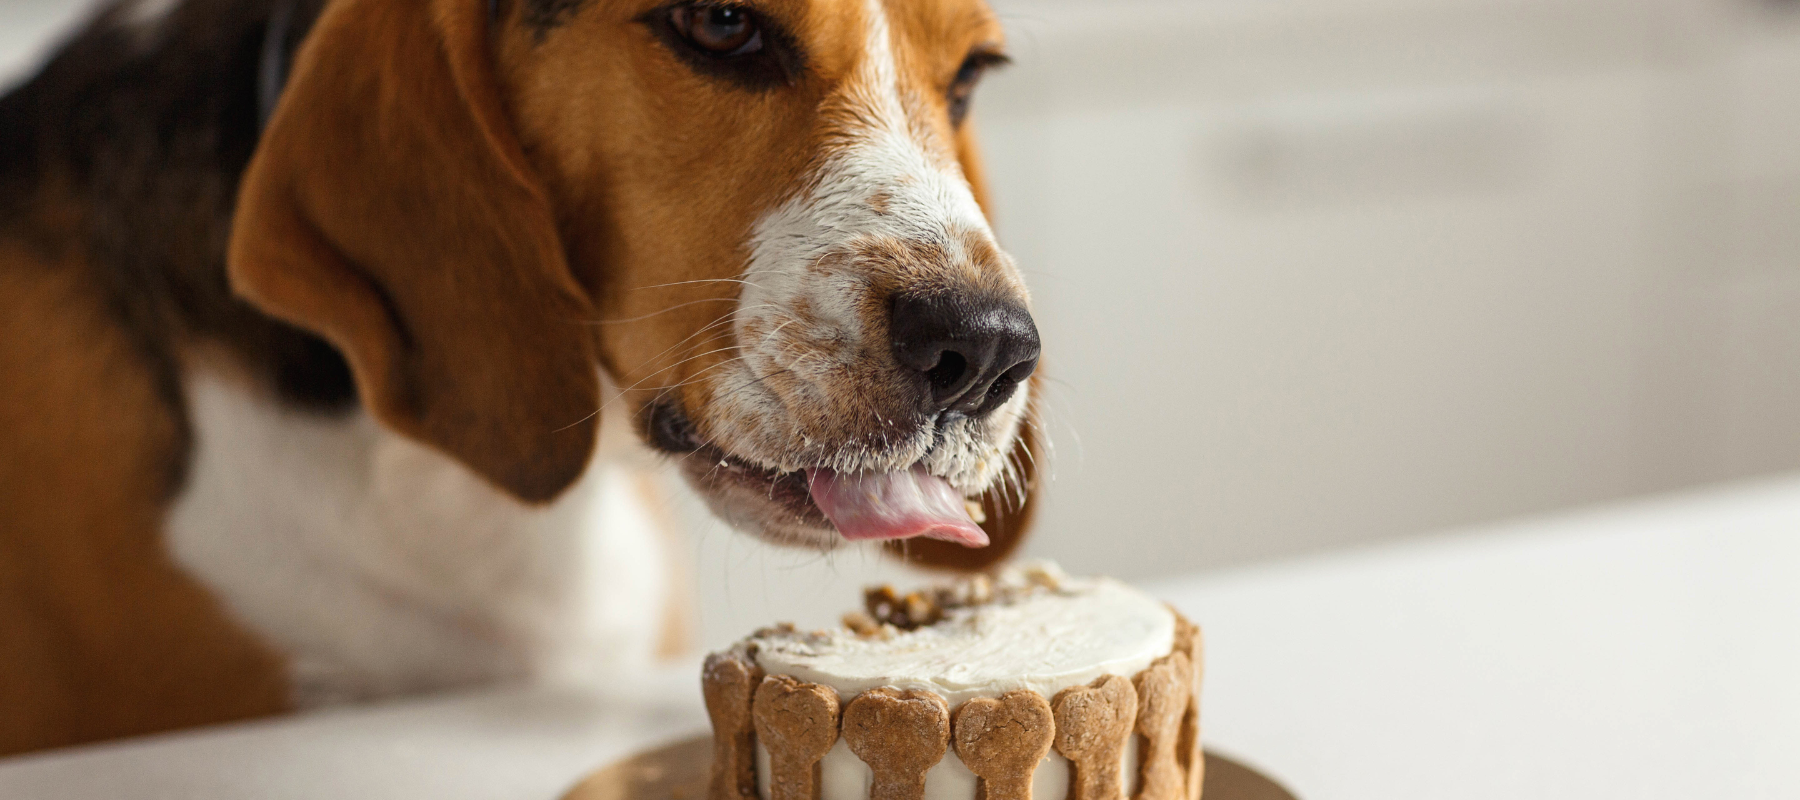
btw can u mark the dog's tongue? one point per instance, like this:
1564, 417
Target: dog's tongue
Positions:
894, 505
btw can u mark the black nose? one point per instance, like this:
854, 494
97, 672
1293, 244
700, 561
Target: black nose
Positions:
973, 352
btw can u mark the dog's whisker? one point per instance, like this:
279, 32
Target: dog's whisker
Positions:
1052, 414
697, 356
676, 307
646, 379
1015, 478
726, 318
707, 280
628, 389
746, 387
664, 390
722, 320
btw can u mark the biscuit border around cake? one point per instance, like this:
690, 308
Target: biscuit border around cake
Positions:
1087, 724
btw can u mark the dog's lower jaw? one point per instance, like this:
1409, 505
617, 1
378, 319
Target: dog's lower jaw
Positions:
751, 501
380, 567
971, 455
779, 529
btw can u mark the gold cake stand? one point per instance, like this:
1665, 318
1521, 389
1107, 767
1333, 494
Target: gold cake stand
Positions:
678, 772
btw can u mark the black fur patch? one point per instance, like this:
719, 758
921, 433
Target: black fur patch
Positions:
149, 127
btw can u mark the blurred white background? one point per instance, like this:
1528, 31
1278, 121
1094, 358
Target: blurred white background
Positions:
1313, 273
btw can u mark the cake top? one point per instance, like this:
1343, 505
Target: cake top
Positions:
1030, 628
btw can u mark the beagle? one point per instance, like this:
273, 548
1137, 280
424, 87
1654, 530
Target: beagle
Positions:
311, 311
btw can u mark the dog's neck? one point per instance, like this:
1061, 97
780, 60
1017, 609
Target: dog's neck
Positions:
380, 567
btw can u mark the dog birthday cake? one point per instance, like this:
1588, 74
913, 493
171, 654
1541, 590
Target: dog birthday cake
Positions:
1031, 684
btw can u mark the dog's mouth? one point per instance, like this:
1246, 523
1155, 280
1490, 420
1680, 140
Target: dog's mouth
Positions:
858, 506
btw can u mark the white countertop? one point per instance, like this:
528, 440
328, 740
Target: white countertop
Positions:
1644, 651
1647, 651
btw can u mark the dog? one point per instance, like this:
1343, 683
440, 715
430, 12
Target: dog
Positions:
312, 313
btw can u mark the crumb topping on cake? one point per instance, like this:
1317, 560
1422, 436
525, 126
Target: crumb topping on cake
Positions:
884, 607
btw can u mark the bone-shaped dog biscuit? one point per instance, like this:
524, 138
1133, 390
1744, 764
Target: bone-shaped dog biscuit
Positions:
900, 735
727, 682
1093, 727
797, 723
1162, 691
1189, 642
1002, 740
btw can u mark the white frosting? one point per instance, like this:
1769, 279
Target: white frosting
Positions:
1044, 640
1039, 637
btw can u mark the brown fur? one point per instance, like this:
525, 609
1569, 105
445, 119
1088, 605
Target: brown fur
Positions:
472, 218
468, 336
607, 117
102, 635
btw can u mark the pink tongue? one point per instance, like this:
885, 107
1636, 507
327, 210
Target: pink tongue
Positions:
894, 505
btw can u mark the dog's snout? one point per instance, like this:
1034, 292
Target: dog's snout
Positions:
972, 352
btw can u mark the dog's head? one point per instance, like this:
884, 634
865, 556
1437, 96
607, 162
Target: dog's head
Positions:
762, 218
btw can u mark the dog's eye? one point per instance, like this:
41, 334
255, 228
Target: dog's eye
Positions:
728, 41
962, 87
725, 31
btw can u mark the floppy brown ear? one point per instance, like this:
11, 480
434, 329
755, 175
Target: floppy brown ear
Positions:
1010, 506
390, 209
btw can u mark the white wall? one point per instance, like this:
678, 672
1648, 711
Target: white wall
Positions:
1312, 273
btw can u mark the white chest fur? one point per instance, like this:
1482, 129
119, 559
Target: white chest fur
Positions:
379, 566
